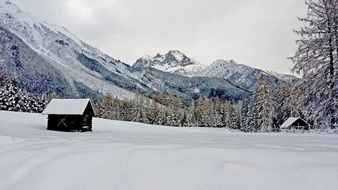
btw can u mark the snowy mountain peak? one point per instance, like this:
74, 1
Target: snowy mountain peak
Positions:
174, 61
29, 28
223, 63
224, 69
146, 57
179, 56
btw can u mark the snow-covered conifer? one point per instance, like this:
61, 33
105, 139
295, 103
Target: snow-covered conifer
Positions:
263, 105
12, 98
316, 59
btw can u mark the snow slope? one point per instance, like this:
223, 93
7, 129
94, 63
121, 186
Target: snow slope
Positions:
244, 74
37, 42
238, 74
128, 156
285, 77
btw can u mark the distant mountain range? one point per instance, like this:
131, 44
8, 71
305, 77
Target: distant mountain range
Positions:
240, 75
45, 58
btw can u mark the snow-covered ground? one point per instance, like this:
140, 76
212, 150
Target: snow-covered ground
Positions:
131, 156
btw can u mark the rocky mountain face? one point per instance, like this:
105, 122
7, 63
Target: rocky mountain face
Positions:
188, 87
173, 62
239, 75
243, 76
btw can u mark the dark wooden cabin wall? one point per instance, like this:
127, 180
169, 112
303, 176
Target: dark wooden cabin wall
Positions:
65, 122
72, 122
300, 122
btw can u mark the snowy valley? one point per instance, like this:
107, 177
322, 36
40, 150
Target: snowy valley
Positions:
72, 117
128, 156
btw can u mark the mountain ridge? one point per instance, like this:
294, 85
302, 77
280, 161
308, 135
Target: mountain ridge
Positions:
45, 58
243, 76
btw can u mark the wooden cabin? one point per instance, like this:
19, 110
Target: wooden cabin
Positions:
69, 115
295, 123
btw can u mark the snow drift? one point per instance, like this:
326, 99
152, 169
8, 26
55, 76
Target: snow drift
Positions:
127, 156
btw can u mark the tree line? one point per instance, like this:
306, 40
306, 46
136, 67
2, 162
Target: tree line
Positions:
264, 111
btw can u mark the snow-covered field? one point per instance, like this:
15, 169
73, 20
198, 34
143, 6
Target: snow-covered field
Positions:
130, 156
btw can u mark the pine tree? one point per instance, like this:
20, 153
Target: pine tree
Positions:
224, 114
154, 114
263, 105
251, 120
230, 115
140, 109
296, 108
191, 115
202, 109
13, 98
244, 115
126, 113
215, 113
316, 59
107, 107
283, 104
236, 121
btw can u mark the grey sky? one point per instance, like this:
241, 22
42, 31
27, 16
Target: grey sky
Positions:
257, 33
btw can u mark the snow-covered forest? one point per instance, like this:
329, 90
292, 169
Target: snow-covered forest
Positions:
265, 111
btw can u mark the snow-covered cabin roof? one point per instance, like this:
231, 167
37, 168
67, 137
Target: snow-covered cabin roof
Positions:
290, 121
66, 107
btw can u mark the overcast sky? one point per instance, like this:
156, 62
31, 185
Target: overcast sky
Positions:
257, 33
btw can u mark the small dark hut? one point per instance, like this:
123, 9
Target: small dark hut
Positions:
69, 115
295, 123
